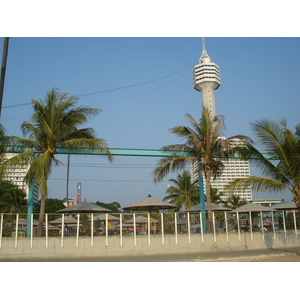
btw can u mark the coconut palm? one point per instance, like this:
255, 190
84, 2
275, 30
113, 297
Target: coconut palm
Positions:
204, 146
54, 123
235, 201
216, 196
184, 193
280, 163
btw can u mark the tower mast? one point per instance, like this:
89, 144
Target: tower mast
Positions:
204, 53
206, 76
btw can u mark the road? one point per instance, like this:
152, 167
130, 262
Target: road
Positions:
265, 255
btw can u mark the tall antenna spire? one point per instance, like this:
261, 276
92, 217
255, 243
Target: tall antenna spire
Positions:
203, 45
204, 56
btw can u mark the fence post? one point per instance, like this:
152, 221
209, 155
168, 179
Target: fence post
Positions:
226, 225
31, 229
134, 229
176, 228
273, 225
106, 229
77, 231
262, 225
214, 226
149, 229
46, 228
121, 230
189, 227
162, 228
201, 227
1, 230
238, 224
92, 230
283, 219
62, 230
250, 219
295, 224
16, 232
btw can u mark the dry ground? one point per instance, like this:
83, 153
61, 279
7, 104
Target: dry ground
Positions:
264, 255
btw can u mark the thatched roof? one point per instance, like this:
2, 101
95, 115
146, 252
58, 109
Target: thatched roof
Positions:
149, 204
85, 207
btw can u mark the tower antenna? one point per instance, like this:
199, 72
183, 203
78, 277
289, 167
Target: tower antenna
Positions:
204, 56
203, 45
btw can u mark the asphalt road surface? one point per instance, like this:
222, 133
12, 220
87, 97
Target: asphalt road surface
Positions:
265, 255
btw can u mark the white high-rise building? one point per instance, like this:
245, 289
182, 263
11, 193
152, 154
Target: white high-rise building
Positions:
206, 76
16, 175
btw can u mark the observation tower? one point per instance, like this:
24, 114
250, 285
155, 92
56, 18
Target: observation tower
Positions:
206, 77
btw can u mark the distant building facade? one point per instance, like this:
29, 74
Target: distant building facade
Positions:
16, 175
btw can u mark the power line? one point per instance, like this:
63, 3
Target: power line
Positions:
104, 180
111, 90
137, 166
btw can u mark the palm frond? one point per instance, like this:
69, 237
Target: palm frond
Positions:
257, 184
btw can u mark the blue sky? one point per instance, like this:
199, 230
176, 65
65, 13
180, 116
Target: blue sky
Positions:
144, 88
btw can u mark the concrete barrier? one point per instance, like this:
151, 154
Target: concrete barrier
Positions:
112, 247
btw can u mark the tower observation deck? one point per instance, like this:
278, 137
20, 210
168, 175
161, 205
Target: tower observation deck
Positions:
206, 77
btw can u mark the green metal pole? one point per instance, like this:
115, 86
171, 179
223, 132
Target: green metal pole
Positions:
202, 200
30, 204
29, 209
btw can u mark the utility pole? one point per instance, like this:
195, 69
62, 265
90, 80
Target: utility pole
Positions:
3, 69
67, 185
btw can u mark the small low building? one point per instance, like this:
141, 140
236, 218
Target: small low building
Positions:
267, 202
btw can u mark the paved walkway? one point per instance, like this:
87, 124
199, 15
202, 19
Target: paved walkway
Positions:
265, 255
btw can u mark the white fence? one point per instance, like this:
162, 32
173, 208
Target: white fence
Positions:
147, 226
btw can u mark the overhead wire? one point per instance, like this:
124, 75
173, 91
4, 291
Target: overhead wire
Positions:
104, 180
111, 90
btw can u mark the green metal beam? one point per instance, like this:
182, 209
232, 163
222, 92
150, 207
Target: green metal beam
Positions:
114, 151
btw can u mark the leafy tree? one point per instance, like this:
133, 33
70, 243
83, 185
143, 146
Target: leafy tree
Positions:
12, 198
280, 163
51, 205
204, 146
55, 124
114, 206
184, 193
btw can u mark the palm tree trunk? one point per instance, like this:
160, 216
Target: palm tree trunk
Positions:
208, 202
41, 217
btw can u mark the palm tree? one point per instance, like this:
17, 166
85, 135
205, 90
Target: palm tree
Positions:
55, 123
204, 146
280, 163
13, 200
216, 196
235, 201
3, 141
184, 192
